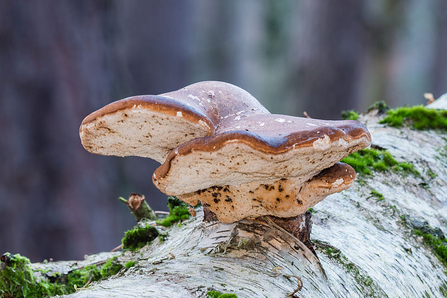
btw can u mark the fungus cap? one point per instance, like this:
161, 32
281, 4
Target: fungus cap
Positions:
261, 148
151, 126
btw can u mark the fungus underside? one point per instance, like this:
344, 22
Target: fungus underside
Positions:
367, 160
18, 279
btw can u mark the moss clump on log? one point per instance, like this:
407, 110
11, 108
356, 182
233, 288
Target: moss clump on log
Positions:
178, 211
379, 197
18, 279
350, 115
380, 106
418, 117
139, 237
369, 288
367, 160
216, 294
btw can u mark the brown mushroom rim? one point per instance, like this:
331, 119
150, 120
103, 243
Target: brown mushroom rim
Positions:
330, 175
155, 103
268, 143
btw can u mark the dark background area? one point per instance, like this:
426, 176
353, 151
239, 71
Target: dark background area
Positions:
61, 60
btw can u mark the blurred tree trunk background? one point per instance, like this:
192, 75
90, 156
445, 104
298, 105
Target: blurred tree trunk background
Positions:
60, 60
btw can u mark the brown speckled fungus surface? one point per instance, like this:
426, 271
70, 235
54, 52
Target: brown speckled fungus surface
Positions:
218, 145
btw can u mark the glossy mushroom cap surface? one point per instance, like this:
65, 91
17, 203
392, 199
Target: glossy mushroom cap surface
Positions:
151, 126
260, 148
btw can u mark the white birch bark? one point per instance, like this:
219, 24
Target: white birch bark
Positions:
364, 248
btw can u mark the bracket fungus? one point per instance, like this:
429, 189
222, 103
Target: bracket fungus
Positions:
218, 145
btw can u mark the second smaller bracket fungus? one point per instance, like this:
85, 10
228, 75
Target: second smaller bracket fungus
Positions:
263, 164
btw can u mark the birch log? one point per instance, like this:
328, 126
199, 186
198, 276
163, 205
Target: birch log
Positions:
365, 247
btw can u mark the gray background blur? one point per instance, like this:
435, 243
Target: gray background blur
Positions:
61, 60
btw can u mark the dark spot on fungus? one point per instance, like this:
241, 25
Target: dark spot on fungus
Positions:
278, 199
228, 199
216, 201
280, 188
299, 202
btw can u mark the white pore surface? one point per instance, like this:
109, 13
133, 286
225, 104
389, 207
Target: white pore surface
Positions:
139, 131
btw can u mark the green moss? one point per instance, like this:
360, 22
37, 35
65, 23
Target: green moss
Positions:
162, 237
111, 267
443, 289
311, 210
394, 209
178, 211
216, 294
367, 160
436, 243
403, 218
418, 117
380, 106
378, 195
432, 174
350, 115
138, 237
366, 283
129, 264
17, 278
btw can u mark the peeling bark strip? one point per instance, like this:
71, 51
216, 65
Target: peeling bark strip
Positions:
299, 226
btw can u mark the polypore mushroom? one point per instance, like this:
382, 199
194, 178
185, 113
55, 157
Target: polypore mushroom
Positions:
151, 126
219, 145
263, 164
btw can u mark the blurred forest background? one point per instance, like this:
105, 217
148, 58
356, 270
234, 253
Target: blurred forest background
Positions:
61, 60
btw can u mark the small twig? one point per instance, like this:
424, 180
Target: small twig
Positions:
89, 281
305, 115
116, 248
162, 212
299, 287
